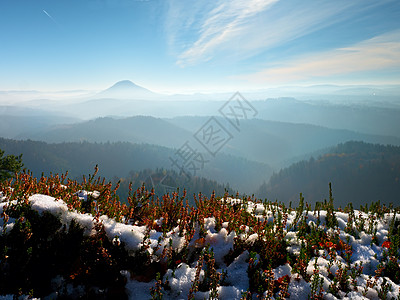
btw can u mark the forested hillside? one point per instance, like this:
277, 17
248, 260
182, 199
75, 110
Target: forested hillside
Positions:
266, 141
113, 159
120, 160
359, 172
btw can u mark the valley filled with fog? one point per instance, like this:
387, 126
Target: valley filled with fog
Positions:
236, 141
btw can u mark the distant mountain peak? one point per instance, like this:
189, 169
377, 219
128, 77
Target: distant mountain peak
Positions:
126, 89
125, 84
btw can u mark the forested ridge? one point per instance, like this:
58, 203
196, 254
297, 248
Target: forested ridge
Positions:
359, 172
121, 162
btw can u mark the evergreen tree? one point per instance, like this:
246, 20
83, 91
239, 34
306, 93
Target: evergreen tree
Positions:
9, 165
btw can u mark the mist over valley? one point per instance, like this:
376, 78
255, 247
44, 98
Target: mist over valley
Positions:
282, 131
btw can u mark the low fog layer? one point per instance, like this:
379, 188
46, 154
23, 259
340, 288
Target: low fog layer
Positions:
238, 139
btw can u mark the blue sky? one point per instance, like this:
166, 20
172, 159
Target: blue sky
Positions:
186, 45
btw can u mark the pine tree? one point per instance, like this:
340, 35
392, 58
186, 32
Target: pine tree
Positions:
9, 164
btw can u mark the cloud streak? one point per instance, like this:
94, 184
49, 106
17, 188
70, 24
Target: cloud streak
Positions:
227, 22
244, 28
375, 54
223, 23
50, 17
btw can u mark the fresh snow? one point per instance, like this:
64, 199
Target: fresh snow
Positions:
180, 279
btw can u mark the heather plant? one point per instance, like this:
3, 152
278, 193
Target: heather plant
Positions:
355, 272
350, 226
98, 266
39, 243
316, 285
394, 237
341, 280
195, 283
331, 221
156, 292
212, 277
299, 211
384, 289
260, 280
389, 267
301, 262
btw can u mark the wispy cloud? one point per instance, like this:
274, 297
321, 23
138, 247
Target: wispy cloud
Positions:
227, 22
183, 22
243, 28
223, 23
375, 54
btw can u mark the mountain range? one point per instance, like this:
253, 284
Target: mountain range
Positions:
270, 142
284, 130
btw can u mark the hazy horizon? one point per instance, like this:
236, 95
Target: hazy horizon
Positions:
350, 93
183, 47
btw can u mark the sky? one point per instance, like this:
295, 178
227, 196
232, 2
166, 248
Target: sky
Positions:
179, 46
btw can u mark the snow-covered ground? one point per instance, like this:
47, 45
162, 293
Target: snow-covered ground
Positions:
365, 253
